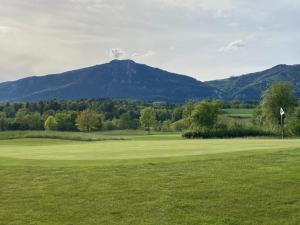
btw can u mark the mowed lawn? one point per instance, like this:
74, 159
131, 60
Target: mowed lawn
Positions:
153, 180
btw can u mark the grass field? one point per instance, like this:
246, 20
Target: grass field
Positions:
239, 113
153, 180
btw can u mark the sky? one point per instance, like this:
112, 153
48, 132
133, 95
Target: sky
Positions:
206, 39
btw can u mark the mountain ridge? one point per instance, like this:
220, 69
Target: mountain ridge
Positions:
252, 85
122, 79
126, 79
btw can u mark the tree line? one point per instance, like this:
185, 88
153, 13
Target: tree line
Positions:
88, 115
105, 114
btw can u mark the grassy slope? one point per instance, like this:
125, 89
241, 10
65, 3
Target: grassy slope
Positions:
150, 180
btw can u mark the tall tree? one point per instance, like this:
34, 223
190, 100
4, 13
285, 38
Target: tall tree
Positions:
3, 121
188, 108
205, 114
148, 118
89, 120
278, 95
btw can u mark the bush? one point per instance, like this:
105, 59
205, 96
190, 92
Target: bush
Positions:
50, 123
228, 133
295, 127
166, 126
110, 125
179, 125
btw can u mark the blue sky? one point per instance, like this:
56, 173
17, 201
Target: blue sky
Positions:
208, 40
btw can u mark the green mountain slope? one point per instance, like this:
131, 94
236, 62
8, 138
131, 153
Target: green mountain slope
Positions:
251, 86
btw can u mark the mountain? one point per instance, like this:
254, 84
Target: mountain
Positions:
120, 79
251, 86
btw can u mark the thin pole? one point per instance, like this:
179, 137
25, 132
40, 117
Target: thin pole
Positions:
282, 132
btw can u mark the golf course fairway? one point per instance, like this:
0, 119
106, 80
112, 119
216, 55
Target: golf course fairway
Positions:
155, 180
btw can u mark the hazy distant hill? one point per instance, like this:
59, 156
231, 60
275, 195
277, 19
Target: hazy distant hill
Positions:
122, 79
251, 86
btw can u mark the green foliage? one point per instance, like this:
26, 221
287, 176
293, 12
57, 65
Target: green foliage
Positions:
26, 120
51, 123
126, 122
294, 127
66, 121
297, 112
179, 125
110, 125
205, 115
227, 133
277, 96
89, 120
3, 121
166, 126
188, 108
177, 114
148, 118
116, 115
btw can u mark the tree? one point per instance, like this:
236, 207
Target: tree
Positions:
21, 120
205, 114
3, 121
188, 108
297, 112
148, 118
127, 122
277, 96
88, 121
177, 114
50, 123
66, 121
35, 121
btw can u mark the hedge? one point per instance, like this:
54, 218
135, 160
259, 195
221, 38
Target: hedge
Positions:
232, 133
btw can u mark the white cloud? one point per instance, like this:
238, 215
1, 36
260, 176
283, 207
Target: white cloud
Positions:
116, 53
234, 45
147, 54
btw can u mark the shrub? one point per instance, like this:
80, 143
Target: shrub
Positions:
228, 133
110, 125
179, 125
295, 127
50, 123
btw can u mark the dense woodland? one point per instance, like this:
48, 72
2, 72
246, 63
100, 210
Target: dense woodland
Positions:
113, 114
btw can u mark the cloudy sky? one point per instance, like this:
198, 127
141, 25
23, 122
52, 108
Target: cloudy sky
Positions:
207, 39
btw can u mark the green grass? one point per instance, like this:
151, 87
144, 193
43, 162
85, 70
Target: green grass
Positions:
75, 136
239, 113
80, 136
154, 180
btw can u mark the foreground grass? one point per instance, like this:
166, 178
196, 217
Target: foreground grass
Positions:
150, 180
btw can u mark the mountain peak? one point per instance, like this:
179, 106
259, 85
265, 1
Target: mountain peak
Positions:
119, 61
280, 66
